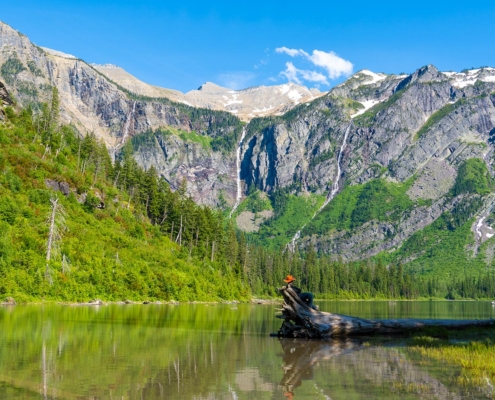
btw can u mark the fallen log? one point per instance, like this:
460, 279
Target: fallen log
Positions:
301, 321
9, 301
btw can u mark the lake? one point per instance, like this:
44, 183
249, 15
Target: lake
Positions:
200, 351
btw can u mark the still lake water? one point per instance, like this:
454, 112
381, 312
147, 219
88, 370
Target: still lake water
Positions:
199, 351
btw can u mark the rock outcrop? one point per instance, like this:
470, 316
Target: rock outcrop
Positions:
416, 128
94, 103
258, 101
5, 99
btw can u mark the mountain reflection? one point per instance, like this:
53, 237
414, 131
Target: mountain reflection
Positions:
198, 352
355, 370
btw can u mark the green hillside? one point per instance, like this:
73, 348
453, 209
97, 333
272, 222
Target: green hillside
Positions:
118, 232
436, 261
121, 233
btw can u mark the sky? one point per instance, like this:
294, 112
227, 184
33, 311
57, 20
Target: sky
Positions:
183, 44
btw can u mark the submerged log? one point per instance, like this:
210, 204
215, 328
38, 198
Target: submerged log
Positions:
301, 321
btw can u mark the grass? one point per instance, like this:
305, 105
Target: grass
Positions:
439, 252
440, 249
204, 141
378, 200
296, 212
474, 358
473, 177
255, 202
148, 138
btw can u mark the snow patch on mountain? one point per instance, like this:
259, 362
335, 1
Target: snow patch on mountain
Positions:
468, 78
367, 105
374, 76
59, 53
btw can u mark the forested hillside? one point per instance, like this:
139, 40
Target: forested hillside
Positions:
383, 187
118, 232
402, 163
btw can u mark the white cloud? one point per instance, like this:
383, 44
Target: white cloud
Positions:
291, 73
333, 65
236, 80
294, 74
313, 76
291, 52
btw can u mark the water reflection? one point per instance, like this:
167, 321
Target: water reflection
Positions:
300, 357
198, 352
411, 309
354, 369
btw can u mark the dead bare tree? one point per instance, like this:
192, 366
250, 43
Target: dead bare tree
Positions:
66, 269
164, 215
131, 195
56, 224
179, 235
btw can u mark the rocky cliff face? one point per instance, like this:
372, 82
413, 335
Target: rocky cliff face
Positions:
412, 131
421, 127
384, 136
93, 103
258, 101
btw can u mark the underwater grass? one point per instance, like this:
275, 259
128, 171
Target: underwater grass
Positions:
472, 351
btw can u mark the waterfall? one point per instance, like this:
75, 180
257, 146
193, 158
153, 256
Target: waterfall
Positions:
125, 131
333, 192
239, 185
127, 124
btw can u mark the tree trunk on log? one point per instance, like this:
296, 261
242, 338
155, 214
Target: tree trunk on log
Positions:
300, 321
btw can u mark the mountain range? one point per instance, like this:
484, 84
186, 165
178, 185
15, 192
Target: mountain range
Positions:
382, 165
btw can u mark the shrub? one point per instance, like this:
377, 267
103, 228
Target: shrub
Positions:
472, 177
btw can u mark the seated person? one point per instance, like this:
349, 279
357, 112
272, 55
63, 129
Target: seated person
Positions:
307, 297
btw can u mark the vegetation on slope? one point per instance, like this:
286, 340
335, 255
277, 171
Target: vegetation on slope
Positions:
473, 177
436, 260
222, 126
125, 234
255, 202
377, 200
148, 138
11, 68
437, 116
291, 212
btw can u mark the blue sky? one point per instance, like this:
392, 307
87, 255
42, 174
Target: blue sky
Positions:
182, 44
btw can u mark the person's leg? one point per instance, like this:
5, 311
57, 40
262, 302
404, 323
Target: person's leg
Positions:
308, 297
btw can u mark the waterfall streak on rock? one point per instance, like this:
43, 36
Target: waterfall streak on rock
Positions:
239, 185
127, 125
125, 132
331, 194
479, 224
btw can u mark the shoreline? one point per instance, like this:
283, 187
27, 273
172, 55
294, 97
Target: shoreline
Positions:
10, 301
